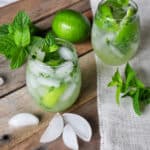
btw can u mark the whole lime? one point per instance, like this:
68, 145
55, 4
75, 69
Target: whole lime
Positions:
71, 25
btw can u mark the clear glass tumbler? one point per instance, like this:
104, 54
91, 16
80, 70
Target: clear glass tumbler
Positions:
54, 87
116, 32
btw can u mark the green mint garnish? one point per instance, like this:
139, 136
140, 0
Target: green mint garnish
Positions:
20, 29
131, 86
50, 44
15, 39
4, 30
50, 47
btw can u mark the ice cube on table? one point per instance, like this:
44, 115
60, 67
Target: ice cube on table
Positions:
66, 53
69, 92
38, 68
50, 82
64, 70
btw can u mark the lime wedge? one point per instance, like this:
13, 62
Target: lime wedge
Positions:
51, 98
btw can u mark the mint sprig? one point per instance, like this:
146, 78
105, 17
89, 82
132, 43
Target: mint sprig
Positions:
131, 86
50, 44
51, 47
15, 39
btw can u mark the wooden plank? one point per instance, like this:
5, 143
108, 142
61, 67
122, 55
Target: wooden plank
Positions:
20, 101
88, 111
37, 9
82, 6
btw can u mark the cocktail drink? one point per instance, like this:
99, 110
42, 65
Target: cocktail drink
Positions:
116, 31
54, 80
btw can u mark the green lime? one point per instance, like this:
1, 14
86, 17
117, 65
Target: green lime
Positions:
71, 25
51, 98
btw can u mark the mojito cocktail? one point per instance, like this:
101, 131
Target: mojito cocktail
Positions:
116, 31
54, 80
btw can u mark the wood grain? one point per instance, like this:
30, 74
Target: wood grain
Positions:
20, 101
82, 6
37, 9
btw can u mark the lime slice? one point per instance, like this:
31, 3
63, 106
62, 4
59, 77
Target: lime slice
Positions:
51, 98
71, 25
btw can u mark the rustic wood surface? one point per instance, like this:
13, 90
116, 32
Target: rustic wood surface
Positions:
14, 97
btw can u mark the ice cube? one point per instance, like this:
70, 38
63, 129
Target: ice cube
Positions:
69, 92
42, 90
50, 82
68, 79
66, 53
64, 70
40, 54
31, 80
38, 68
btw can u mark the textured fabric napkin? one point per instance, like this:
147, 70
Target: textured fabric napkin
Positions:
120, 128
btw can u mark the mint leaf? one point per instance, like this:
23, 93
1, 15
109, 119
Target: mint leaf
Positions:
18, 58
131, 78
50, 44
145, 95
116, 79
22, 37
20, 29
21, 20
7, 46
129, 75
3, 30
53, 59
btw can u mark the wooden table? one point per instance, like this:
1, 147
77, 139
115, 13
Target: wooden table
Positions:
14, 97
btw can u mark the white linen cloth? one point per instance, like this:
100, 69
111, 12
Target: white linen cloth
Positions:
120, 127
6, 2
